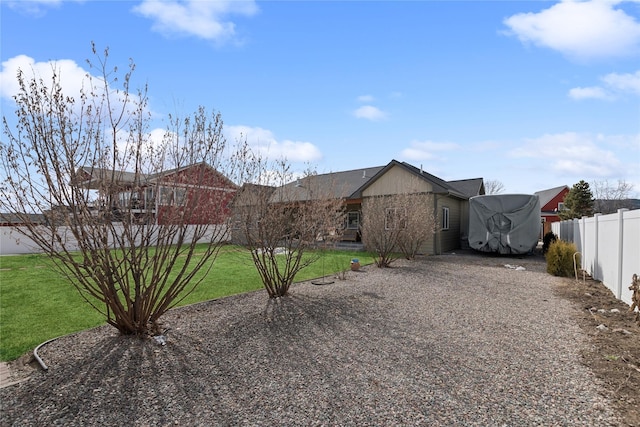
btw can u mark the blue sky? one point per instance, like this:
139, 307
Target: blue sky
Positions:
534, 94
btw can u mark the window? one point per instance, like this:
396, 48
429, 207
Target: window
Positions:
389, 219
445, 218
150, 198
180, 196
395, 217
353, 220
560, 206
123, 199
172, 196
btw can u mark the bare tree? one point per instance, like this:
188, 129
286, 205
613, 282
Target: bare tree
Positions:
611, 197
123, 213
419, 221
493, 186
281, 223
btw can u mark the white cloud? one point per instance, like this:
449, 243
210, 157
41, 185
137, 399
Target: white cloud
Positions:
613, 84
579, 29
589, 92
427, 150
575, 154
72, 77
623, 82
204, 19
265, 143
370, 112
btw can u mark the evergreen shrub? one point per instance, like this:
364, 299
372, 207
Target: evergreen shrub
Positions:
560, 258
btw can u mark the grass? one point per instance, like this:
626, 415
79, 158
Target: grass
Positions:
37, 304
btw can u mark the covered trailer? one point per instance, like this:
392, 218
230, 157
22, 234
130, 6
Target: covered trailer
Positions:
504, 223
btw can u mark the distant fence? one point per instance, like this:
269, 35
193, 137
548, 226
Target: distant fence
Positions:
12, 242
610, 247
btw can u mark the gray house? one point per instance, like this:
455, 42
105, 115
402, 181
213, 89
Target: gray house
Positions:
449, 199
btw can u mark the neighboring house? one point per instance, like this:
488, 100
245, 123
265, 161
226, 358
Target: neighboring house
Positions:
196, 190
450, 199
12, 220
245, 198
551, 203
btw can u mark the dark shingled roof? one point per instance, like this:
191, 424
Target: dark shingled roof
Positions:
350, 184
469, 187
343, 185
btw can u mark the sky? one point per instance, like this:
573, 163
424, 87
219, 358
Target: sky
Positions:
533, 94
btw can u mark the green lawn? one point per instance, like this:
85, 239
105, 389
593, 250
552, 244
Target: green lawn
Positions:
37, 304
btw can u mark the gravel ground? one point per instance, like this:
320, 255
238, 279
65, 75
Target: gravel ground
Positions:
457, 339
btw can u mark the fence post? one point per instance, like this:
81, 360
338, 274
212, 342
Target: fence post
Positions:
620, 250
582, 229
596, 261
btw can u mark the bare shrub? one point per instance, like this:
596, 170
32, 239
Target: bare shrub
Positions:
635, 297
129, 221
382, 226
397, 224
280, 224
420, 223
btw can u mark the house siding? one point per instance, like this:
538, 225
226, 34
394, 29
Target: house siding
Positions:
448, 240
396, 181
207, 198
428, 247
464, 223
445, 240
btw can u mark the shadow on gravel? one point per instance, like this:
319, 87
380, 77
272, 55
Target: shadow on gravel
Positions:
108, 375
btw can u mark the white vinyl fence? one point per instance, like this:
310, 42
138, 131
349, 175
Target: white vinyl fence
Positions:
610, 247
12, 242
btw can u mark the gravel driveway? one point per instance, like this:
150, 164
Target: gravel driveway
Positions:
454, 340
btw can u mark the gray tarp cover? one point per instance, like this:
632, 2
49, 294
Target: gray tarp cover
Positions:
504, 223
